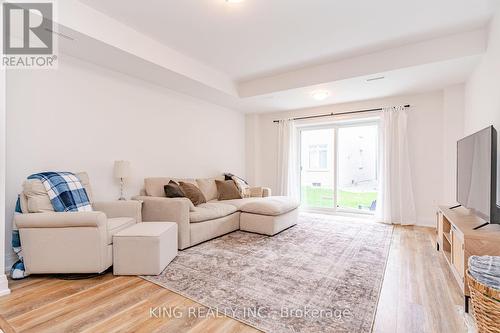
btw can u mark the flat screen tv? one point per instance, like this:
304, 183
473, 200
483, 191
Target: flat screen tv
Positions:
477, 174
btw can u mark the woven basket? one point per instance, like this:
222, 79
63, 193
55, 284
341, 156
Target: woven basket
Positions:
486, 306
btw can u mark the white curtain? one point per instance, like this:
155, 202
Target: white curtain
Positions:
395, 203
288, 173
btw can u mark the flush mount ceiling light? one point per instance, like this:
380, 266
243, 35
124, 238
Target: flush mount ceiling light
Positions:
234, 1
320, 95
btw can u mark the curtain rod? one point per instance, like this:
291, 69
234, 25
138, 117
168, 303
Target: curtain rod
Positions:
336, 114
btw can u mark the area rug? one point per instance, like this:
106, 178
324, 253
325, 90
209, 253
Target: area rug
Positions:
322, 275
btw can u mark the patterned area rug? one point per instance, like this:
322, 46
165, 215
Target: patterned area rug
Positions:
322, 275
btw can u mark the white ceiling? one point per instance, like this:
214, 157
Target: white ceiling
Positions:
262, 37
403, 80
409, 80
269, 55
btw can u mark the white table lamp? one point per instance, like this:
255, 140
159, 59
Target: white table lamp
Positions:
122, 171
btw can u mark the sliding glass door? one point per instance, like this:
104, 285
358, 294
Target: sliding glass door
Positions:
339, 167
317, 168
357, 167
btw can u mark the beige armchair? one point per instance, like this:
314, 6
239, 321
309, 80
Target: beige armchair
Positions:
72, 242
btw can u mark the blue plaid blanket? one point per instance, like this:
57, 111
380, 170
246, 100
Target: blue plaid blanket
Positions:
17, 271
66, 193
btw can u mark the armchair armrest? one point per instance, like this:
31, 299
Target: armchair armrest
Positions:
260, 192
120, 208
159, 209
60, 220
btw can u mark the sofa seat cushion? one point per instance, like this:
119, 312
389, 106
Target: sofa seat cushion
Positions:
238, 203
271, 206
210, 211
117, 224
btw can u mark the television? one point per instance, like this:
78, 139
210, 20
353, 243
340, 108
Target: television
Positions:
477, 174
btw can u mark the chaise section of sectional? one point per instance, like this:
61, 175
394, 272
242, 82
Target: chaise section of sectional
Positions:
269, 216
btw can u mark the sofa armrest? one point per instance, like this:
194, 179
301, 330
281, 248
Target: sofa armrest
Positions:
260, 192
60, 220
120, 208
159, 209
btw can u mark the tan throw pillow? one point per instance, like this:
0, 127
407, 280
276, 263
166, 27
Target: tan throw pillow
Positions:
227, 190
193, 193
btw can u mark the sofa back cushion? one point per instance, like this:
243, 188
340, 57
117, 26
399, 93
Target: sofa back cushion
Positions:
36, 200
84, 178
208, 187
155, 186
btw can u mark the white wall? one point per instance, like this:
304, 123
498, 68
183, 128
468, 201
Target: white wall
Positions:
81, 117
3, 279
425, 137
482, 96
453, 130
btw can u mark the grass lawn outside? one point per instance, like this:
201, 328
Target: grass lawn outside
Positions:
323, 198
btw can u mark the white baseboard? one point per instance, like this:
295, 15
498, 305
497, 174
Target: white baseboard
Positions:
4, 285
426, 223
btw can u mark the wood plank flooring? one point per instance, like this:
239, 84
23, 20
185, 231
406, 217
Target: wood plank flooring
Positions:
418, 295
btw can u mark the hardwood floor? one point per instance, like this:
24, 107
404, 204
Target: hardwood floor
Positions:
418, 295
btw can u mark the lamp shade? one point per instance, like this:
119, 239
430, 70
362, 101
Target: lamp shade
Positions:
122, 169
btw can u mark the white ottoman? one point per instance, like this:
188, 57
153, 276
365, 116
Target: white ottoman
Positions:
269, 216
145, 248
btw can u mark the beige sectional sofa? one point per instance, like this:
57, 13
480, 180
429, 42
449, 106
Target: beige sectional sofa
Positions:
260, 213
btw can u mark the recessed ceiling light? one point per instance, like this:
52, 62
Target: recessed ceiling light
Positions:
320, 95
234, 1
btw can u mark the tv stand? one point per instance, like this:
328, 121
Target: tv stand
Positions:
482, 225
458, 239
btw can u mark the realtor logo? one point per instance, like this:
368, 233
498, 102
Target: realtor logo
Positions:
28, 41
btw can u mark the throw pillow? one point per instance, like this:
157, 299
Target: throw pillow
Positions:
230, 176
173, 190
193, 193
243, 187
227, 190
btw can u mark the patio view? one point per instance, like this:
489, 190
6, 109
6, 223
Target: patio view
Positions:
323, 198
343, 175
